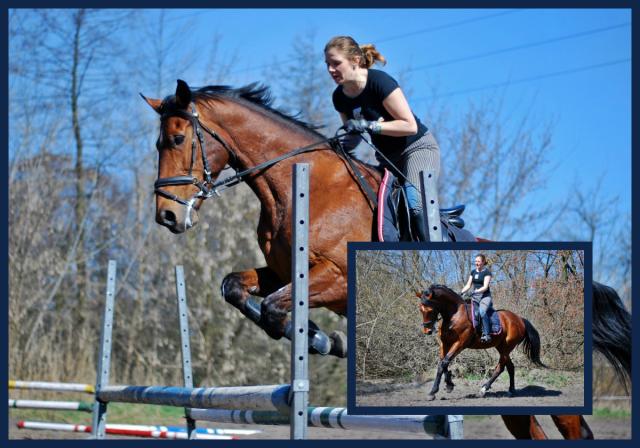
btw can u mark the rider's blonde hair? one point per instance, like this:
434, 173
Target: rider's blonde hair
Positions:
366, 55
483, 257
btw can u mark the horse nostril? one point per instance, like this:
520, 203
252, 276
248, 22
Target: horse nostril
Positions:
167, 217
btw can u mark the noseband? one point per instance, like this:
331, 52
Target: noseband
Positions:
424, 300
205, 186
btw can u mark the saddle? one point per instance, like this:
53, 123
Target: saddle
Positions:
494, 319
393, 222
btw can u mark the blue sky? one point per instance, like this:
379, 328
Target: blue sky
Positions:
571, 67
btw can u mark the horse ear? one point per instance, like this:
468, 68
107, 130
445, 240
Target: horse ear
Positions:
183, 94
155, 104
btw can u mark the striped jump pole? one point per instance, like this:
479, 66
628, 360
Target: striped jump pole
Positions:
273, 397
215, 431
123, 430
51, 405
52, 386
439, 426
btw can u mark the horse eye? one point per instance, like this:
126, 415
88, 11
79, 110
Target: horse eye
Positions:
178, 140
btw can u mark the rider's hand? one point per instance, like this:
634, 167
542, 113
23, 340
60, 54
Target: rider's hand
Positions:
361, 126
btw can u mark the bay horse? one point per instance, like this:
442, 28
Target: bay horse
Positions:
457, 333
243, 131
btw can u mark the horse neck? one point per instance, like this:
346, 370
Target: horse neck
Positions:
450, 304
256, 138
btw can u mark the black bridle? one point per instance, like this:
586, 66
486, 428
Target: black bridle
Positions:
426, 301
206, 187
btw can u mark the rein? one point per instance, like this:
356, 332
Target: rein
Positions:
207, 188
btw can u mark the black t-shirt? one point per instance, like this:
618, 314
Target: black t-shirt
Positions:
368, 105
477, 280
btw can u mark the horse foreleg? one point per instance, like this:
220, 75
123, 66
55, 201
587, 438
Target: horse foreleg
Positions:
443, 366
524, 427
447, 373
573, 427
326, 288
448, 380
238, 286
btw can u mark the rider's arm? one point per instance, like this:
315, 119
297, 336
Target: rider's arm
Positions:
467, 286
403, 123
485, 285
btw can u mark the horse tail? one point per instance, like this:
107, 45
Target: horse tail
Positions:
612, 330
531, 343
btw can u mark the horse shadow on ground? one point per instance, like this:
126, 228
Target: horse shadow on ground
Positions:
364, 387
527, 391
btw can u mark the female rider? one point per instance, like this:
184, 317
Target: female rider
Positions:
480, 278
371, 101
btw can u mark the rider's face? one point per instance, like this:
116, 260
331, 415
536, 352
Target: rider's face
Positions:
338, 66
479, 262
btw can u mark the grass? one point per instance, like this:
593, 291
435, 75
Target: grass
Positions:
474, 377
611, 413
117, 413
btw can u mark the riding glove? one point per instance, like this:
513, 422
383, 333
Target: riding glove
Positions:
360, 126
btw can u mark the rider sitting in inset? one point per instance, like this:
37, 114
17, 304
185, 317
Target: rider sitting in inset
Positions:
371, 101
480, 278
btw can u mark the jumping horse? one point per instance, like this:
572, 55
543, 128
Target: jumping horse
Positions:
205, 130
456, 332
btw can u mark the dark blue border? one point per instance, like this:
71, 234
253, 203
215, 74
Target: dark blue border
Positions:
326, 4
630, 4
4, 240
587, 408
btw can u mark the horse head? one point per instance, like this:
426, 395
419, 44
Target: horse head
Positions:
186, 169
437, 300
429, 310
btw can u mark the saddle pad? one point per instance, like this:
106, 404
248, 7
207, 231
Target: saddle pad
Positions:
494, 319
387, 227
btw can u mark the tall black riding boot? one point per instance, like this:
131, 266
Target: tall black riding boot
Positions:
417, 225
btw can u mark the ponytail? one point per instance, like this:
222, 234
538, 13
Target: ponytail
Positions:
370, 56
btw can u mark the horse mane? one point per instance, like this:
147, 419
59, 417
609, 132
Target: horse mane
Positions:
445, 287
257, 94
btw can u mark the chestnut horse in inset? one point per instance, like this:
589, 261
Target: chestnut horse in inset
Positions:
456, 333
205, 130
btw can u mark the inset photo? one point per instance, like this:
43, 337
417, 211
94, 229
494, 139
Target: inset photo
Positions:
500, 328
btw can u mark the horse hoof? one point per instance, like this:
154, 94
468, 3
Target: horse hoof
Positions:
338, 344
449, 388
431, 397
482, 392
319, 343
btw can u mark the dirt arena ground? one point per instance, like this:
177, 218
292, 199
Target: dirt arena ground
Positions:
545, 390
